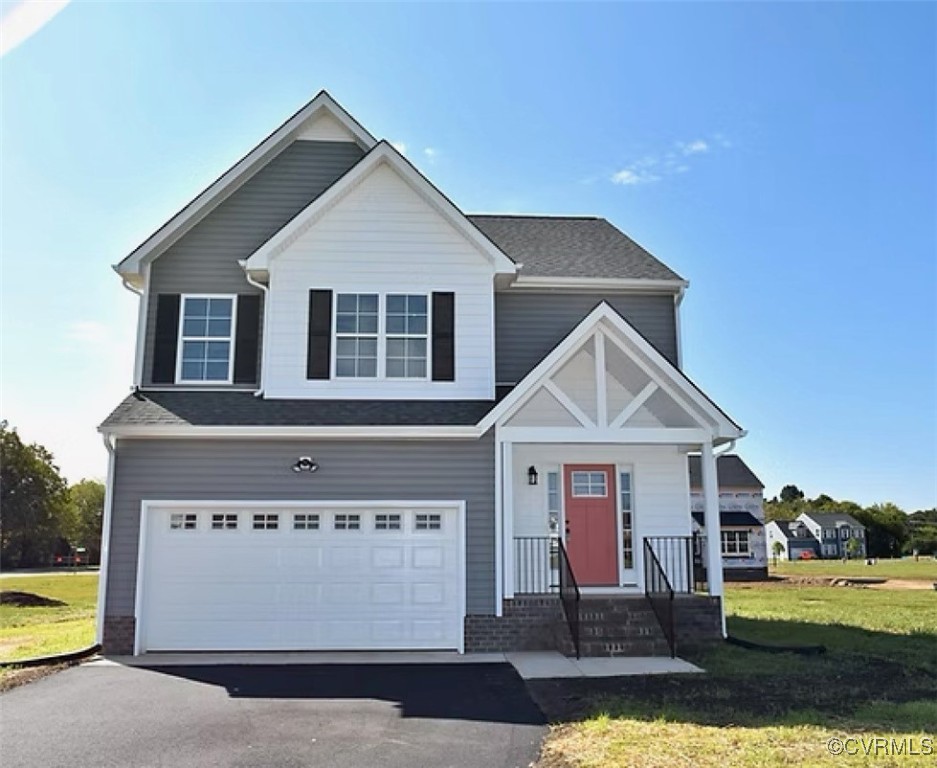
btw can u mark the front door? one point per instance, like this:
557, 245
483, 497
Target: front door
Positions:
591, 530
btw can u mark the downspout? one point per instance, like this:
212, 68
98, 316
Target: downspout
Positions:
110, 444
263, 338
141, 319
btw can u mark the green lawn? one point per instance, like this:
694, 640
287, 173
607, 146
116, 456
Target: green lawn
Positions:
878, 678
925, 568
26, 632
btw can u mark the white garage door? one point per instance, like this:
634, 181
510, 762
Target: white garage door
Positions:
300, 577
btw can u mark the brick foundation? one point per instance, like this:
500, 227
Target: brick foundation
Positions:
698, 620
118, 635
527, 624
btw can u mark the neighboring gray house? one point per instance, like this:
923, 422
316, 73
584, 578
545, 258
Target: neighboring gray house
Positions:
833, 531
797, 543
362, 419
741, 517
823, 535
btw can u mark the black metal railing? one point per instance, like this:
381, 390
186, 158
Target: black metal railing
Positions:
679, 559
569, 594
535, 565
700, 582
660, 595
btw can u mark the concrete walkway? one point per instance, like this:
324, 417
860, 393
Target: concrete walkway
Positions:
530, 665
537, 665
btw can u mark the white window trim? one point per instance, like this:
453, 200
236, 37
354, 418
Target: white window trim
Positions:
181, 338
627, 576
747, 552
381, 336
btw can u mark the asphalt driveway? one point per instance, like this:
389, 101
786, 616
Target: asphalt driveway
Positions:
359, 716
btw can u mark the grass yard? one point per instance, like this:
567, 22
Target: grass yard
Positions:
40, 631
877, 679
925, 568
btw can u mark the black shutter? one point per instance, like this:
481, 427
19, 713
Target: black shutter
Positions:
166, 339
319, 356
443, 337
247, 339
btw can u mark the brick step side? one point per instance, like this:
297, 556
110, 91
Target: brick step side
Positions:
624, 648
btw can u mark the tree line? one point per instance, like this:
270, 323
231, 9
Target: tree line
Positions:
41, 516
890, 531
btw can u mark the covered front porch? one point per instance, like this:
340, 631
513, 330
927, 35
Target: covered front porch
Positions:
593, 498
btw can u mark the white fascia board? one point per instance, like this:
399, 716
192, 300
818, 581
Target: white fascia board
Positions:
540, 282
383, 152
131, 266
726, 429
144, 431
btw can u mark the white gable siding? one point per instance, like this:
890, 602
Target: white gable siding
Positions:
383, 238
325, 127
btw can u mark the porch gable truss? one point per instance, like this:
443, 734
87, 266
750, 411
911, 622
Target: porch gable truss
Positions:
605, 383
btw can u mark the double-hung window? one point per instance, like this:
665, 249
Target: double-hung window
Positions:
381, 336
735, 543
206, 336
356, 335
406, 328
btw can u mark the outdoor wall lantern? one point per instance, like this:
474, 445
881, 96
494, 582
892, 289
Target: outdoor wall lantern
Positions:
305, 464
532, 475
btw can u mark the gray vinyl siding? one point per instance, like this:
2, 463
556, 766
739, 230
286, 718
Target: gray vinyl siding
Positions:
355, 470
529, 325
205, 259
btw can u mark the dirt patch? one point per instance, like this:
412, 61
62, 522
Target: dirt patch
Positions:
15, 677
860, 582
28, 600
904, 584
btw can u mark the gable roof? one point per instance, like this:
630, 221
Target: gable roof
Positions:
572, 246
382, 153
732, 471
131, 266
784, 527
606, 316
832, 518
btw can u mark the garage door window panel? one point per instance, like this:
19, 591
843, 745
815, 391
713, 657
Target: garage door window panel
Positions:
266, 522
183, 521
388, 522
428, 522
347, 522
305, 522
224, 521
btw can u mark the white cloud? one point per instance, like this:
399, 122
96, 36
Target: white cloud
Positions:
676, 160
21, 20
633, 176
399, 146
431, 153
696, 147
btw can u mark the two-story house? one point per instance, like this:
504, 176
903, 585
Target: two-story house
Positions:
833, 532
741, 517
363, 419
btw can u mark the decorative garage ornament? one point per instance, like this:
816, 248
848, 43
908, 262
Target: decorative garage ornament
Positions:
532, 476
305, 464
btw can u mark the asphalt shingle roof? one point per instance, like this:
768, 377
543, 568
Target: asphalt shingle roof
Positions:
243, 409
571, 246
784, 526
832, 518
729, 519
733, 473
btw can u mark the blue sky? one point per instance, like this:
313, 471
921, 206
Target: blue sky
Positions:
779, 156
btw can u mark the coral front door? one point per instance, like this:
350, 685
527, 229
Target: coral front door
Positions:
591, 529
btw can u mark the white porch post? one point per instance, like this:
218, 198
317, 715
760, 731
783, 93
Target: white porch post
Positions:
713, 530
507, 512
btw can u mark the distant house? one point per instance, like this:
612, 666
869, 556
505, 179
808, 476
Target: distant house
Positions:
833, 530
822, 534
741, 517
795, 538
